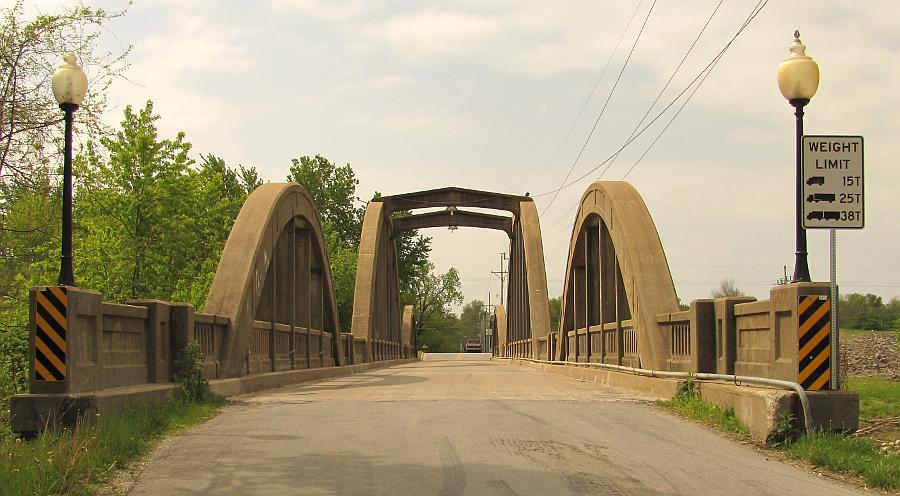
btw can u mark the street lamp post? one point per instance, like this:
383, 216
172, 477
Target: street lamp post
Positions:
69, 87
798, 80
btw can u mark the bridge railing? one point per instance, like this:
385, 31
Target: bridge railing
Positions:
742, 336
612, 343
689, 336
210, 332
520, 348
608, 335
542, 348
630, 355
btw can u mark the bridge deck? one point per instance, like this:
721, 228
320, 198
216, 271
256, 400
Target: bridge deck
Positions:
460, 427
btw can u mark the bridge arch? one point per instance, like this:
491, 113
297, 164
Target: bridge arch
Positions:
498, 330
274, 273
376, 303
617, 281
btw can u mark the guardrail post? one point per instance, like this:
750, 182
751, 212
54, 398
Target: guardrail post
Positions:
65, 340
703, 336
158, 326
181, 329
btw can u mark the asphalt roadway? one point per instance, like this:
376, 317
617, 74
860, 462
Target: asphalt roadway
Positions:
461, 427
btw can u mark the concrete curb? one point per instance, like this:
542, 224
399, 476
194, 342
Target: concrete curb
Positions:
32, 412
272, 380
757, 407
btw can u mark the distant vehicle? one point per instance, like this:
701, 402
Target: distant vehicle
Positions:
472, 345
817, 197
820, 180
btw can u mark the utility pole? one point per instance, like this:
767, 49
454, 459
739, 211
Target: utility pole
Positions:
502, 275
487, 343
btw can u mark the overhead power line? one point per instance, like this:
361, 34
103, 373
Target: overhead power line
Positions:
761, 4
605, 104
686, 100
590, 95
662, 90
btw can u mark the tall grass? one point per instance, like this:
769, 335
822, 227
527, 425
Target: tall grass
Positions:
70, 460
848, 455
688, 403
831, 451
877, 397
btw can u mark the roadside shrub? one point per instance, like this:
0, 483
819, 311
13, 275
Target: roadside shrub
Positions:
188, 374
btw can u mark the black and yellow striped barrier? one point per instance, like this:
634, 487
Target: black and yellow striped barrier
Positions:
814, 335
50, 325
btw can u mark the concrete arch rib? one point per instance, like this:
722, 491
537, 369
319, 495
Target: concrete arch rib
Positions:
376, 293
499, 327
643, 270
538, 302
257, 240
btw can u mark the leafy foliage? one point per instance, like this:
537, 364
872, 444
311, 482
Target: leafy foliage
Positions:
333, 190
555, 313
445, 332
434, 293
188, 374
30, 52
149, 223
155, 222
30, 157
689, 403
727, 287
869, 311
72, 461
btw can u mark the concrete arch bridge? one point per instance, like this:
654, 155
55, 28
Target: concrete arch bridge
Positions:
271, 313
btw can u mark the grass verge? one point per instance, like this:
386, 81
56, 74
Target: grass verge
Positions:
70, 461
877, 397
688, 403
835, 452
856, 456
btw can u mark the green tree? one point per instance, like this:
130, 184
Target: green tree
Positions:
473, 319
333, 190
150, 223
30, 51
135, 210
555, 312
727, 287
434, 293
412, 260
442, 334
218, 192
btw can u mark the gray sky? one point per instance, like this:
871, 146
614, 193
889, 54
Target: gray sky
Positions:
421, 95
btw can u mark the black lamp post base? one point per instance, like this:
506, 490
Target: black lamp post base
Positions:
66, 275
801, 265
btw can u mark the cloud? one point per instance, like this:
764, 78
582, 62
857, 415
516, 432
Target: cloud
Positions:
432, 33
331, 10
417, 121
390, 82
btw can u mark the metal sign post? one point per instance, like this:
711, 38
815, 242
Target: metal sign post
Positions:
835, 323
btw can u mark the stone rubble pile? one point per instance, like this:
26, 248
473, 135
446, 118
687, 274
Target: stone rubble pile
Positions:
874, 353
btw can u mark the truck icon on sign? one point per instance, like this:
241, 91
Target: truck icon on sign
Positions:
817, 197
820, 180
823, 215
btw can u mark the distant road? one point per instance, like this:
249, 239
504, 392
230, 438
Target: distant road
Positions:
461, 427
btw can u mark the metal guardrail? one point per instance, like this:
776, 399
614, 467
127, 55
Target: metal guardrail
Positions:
700, 376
